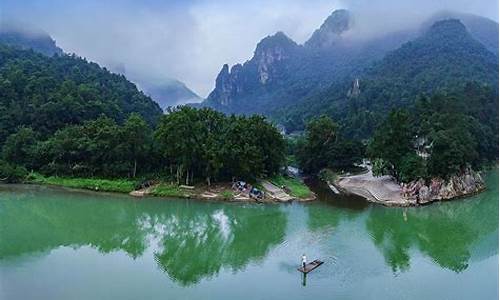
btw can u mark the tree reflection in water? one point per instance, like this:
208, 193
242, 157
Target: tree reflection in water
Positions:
197, 245
447, 232
191, 240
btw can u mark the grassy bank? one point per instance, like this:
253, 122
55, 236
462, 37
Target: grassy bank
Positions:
296, 187
94, 184
167, 190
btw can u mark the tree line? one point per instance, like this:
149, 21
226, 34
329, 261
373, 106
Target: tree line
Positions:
187, 145
438, 136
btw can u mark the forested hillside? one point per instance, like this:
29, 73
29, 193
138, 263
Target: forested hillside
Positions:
65, 116
282, 74
49, 93
438, 137
446, 57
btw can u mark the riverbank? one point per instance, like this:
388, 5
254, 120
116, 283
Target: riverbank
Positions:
276, 189
386, 191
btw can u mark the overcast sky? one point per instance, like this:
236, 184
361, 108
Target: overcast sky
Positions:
190, 40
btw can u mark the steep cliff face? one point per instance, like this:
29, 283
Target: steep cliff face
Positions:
268, 64
330, 32
354, 91
282, 75
270, 55
281, 72
465, 183
226, 85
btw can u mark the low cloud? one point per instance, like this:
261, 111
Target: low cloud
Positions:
190, 40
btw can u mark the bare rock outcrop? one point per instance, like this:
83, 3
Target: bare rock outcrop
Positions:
466, 183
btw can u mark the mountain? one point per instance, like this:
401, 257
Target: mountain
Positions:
482, 29
282, 73
168, 93
49, 93
447, 53
263, 74
165, 93
329, 34
445, 57
28, 38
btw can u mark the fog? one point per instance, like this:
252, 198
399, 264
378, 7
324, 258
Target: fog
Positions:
190, 40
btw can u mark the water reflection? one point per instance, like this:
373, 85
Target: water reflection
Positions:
190, 240
446, 232
196, 246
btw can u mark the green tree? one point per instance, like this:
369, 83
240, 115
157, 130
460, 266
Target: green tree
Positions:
323, 147
136, 135
19, 147
392, 142
412, 167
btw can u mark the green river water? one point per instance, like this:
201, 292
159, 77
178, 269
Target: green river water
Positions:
60, 244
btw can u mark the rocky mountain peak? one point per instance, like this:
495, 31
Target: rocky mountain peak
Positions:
224, 72
331, 30
270, 52
279, 44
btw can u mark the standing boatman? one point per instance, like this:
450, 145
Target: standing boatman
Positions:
304, 261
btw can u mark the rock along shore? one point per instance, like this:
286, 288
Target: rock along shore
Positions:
385, 190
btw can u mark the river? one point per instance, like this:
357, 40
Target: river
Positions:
60, 244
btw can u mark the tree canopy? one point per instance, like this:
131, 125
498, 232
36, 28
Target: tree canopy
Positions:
439, 136
50, 93
324, 147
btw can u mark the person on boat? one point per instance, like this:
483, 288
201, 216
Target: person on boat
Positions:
304, 261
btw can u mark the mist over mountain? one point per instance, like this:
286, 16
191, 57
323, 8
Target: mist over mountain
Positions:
25, 37
169, 93
50, 93
445, 57
282, 73
331, 30
482, 29
164, 92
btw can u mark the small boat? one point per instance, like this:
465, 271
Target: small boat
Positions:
310, 266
